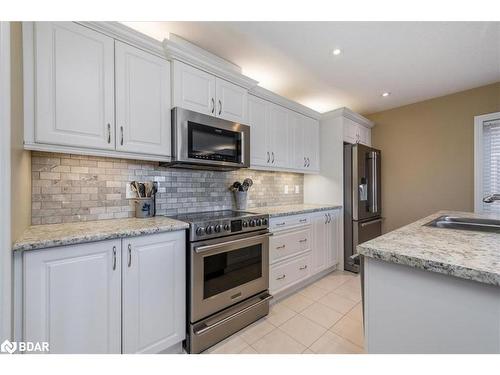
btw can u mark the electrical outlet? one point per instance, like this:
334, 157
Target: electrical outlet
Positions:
286, 189
128, 192
297, 189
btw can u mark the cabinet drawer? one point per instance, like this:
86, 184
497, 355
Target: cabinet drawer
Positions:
287, 244
286, 222
285, 274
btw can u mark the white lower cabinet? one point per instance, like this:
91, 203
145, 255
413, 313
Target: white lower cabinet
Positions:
102, 297
302, 246
154, 292
72, 297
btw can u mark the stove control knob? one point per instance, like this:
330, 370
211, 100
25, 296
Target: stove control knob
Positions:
264, 221
209, 229
245, 224
200, 231
252, 222
227, 228
218, 228
259, 222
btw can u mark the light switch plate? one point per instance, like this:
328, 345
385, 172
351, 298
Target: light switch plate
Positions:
128, 192
286, 189
297, 189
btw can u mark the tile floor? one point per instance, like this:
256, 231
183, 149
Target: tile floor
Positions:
324, 318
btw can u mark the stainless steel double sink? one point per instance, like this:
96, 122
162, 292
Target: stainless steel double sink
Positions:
465, 223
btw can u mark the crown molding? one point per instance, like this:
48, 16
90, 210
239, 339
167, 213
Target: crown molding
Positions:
284, 102
193, 55
346, 112
123, 33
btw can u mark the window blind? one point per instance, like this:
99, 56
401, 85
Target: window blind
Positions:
491, 163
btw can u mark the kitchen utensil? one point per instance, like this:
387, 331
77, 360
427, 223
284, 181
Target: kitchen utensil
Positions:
144, 207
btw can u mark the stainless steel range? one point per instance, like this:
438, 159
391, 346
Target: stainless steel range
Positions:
228, 274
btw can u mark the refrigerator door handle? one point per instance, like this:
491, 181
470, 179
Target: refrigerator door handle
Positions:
374, 167
370, 222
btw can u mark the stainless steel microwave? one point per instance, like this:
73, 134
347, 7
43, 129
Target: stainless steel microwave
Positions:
204, 142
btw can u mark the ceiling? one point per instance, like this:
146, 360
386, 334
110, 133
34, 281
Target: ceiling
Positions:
413, 61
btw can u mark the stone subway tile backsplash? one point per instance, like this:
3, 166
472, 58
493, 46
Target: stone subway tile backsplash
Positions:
69, 188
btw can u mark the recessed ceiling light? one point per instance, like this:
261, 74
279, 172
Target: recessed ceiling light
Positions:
337, 51
385, 94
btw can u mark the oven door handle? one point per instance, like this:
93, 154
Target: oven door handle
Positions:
228, 318
202, 249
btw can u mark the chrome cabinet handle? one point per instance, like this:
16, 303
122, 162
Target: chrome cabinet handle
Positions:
326, 218
304, 240
121, 131
220, 107
114, 258
272, 153
280, 224
109, 133
308, 162
305, 162
303, 267
302, 220
129, 255
268, 156
213, 106
281, 277
280, 247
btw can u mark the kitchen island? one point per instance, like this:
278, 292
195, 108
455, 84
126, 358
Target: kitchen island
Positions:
432, 290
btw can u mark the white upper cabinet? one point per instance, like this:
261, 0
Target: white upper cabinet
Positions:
142, 101
297, 152
305, 142
74, 86
259, 134
202, 92
279, 136
231, 101
356, 133
193, 89
154, 292
72, 298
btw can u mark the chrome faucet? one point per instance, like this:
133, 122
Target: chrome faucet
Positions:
490, 198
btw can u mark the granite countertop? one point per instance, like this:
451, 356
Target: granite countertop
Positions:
51, 235
294, 209
466, 254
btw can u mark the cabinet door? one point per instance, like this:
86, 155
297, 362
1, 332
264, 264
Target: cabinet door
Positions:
334, 236
193, 89
279, 136
311, 143
154, 292
350, 131
142, 101
72, 297
74, 86
231, 101
259, 134
364, 135
320, 242
298, 153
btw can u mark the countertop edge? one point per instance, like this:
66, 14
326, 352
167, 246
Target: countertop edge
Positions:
304, 211
449, 269
72, 240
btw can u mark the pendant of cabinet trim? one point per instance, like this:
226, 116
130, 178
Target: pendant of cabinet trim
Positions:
202, 92
282, 139
82, 79
114, 296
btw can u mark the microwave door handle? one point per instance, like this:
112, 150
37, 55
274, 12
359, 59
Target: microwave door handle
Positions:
202, 249
374, 181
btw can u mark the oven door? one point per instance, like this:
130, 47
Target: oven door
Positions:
206, 140
227, 271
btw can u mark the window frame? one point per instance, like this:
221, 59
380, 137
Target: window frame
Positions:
478, 157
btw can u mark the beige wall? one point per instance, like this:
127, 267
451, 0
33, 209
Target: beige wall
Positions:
20, 159
428, 154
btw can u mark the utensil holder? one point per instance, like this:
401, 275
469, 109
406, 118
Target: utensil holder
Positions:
241, 200
145, 207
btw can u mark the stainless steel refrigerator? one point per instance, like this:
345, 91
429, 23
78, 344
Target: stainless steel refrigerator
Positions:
362, 205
